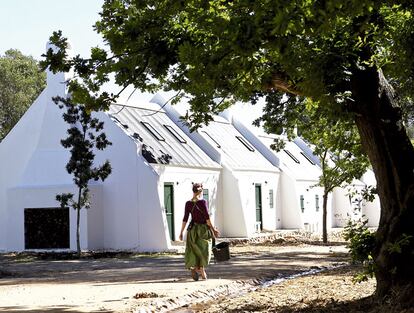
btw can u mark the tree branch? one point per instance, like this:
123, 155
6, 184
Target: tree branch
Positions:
281, 82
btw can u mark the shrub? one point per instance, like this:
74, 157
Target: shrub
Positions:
361, 243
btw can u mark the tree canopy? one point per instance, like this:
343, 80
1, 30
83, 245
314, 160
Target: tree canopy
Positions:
21, 81
354, 59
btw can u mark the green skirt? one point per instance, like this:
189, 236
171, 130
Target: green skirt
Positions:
198, 246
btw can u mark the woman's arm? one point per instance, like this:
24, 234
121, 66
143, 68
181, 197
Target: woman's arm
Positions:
182, 230
214, 230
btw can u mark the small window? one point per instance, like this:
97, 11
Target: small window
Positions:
302, 203
271, 202
245, 143
175, 133
205, 194
291, 155
152, 130
218, 145
317, 203
206, 197
307, 158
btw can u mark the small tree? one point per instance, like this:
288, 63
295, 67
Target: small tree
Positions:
339, 150
85, 134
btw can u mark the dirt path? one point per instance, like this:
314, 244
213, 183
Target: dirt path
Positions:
110, 284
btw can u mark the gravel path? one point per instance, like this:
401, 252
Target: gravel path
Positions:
142, 283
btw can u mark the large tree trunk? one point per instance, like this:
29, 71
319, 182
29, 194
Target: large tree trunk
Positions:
391, 153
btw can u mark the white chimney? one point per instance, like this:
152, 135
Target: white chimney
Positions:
57, 81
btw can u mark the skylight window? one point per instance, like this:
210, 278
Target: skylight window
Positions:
245, 143
292, 156
153, 131
217, 144
307, 158
175, 133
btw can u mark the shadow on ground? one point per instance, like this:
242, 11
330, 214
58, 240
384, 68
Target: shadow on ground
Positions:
142, 269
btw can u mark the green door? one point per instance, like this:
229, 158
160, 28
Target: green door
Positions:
259, 218
169, 207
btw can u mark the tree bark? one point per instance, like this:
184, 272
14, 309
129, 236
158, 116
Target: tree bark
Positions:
78, 208
379, 121
324, 216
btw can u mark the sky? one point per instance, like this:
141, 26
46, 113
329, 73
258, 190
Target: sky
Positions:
26, 25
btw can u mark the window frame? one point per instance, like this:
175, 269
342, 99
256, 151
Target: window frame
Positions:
317, 203
291, 156
174, 133
307, 158
271, 199
151, 129
302, 203
245, 143
209, 136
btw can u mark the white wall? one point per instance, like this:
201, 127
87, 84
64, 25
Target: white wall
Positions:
239, 201
247, 182
182, 179
289, 199
152, 224
292, 215
17, 150
45, 197
345, 205
371, 211
121, 196
233, 217
312, 219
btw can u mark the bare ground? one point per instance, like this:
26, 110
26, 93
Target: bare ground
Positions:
142, 283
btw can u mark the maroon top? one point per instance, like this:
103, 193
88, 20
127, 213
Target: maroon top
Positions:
199, 214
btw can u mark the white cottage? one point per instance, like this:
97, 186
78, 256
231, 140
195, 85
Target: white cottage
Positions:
169, 162
249, 182
139, 206
346, 201
298, 196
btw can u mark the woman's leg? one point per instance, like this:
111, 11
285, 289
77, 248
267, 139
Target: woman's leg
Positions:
202, 272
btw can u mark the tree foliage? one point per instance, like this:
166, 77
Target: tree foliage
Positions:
354, 59
21, 81
235, 50
84, 135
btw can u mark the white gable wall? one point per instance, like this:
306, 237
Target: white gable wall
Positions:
17, 149
233, 221
247, 183
291, 217
182, 178
345, 205
130, 199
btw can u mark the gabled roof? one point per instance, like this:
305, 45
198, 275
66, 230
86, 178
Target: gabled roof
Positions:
235, 150
162, 141
293, 159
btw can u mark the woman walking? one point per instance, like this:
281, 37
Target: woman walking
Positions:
200, 232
